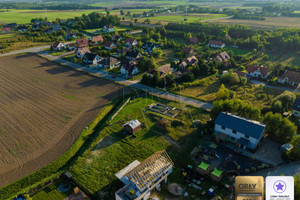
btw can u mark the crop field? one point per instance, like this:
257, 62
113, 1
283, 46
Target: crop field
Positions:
44, 107
25, 16
270, 22
7, 36
190, 17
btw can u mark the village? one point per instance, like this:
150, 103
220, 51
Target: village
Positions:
181, 151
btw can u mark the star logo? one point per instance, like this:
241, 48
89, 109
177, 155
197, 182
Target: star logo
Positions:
279, 186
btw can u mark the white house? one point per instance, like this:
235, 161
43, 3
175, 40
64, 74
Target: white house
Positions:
245, 133
128, 69
140, 179
108, 28
289, 77
91, 59
130, 42
58, 46
257, 71
216, 44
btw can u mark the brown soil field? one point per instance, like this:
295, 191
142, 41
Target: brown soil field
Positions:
270, 22
43, 109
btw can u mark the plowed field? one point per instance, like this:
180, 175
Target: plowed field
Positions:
43, 109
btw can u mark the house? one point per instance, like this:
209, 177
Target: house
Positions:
109, 45
289, 77
245, 133
108, 28
188, 51
226, 37
71, 47
12, 25
34, 27
5, 30
128, 69
148, 47
132, 127
80, 43
216, 44
257, 71
296, 107
193, 40
58, 46
109, 63
129, 42
91, 59
165, 70
22, 29
56, 28
222, 57
140, 179
96, 40
239, 73
116, 38
80, 52
70, 35
133, 55
190, 61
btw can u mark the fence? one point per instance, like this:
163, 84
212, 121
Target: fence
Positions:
122, 106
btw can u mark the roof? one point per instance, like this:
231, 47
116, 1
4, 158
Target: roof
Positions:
239, 73
89, 56
116, 37
133, 123
216, 43
217, 172
221, 57
22, 27
165, 69
187, 50
82, 42
97, 38
127, 169
128, 66
243, 125
55, 45
244, 141
83, 50
130, 41
253, 68
109, 61
296, 105
194, 40
132, 54
6, 29
148, 45
291, 75
108, 44
150, 169
108, 26
203, 165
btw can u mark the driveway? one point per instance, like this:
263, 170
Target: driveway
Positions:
134, 84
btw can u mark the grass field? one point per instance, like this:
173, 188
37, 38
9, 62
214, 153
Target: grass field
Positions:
25, 16
113, 150
51, 193
117, 28
7, 36
270, 22
46, 107
181, 17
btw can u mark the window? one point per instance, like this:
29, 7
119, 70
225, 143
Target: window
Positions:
223, 127
233, 138
246, 136
233, 131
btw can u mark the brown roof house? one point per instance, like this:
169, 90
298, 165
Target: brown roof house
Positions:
133, 55
165, 70
188, 51
5, 30
109, 63
289, 77
129, 42
58, 46
190, 61
109, 45
194, 40
96, 40
108, 28
80, 43
116, 38
239, 73
257, 71
80, 52
216, 44
132, 127
222, 57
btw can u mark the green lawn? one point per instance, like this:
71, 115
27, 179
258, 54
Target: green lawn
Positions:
190, 17
113, 150
51, 193
117, 28
7, 36
25, 16
236, 52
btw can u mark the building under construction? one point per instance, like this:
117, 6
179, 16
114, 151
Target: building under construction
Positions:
141, 178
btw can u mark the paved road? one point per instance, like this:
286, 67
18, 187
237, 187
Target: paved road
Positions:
134, 84
290, 169
256, 82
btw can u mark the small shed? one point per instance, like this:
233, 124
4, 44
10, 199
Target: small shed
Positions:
286, 147
203, 168
133, 126
216, 175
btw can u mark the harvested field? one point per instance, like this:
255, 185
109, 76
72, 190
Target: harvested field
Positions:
44, 107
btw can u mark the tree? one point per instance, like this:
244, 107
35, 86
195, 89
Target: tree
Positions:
230, 78
157, 53
287, 99
122, 12
146, 64
135, 20
223, 93
277, 107
243, 80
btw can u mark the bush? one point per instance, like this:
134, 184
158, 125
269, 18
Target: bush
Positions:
247, 170
230, 78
